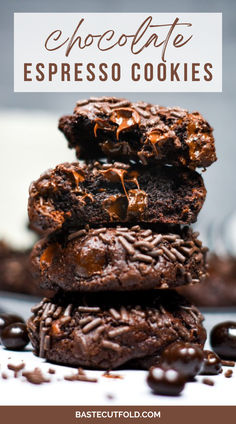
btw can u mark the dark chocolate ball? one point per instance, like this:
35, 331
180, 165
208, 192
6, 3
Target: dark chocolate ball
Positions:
165, 381
186, 358
223, 340
6, 319
15, 336
211, 363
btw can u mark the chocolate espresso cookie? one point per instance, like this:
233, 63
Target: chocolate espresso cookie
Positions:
104, 331
73, 194
120, 259
118, 128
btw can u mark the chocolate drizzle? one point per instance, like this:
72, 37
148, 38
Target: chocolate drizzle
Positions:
79, 177
136, 198
115, 175
156, 136
101, 124
125, 118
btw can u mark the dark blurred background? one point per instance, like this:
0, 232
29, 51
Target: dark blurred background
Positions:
218, 108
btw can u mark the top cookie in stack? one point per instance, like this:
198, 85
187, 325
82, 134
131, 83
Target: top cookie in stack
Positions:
123, 130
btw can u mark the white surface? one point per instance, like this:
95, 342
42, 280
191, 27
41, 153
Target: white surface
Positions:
130, 390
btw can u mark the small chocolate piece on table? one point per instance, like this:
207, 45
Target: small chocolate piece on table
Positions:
208, 382
223, 339
186, 358
16, 368
7, 319
15, 336
35, 377
212, 364
226, 363
80, 376
165, 381
228, 373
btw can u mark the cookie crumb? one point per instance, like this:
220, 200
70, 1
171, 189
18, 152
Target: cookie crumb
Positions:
228, 373
227, 363
51, 371
110, 396
35, 377
4, 376
16, 368
208, 382
115, 376
80, 376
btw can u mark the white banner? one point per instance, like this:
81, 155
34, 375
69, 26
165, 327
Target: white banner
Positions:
104, 52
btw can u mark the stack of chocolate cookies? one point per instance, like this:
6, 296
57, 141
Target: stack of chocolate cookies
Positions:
116, 235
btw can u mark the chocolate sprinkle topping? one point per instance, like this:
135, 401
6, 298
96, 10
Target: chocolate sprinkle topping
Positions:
208, 382
121, 328
133, 259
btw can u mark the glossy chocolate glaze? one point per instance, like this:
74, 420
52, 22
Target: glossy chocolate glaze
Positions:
186, 358
223, 339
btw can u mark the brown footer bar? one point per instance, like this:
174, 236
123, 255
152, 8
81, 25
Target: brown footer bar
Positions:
119, 414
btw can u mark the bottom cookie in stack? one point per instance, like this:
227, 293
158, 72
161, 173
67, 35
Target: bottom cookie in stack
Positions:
108, 330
